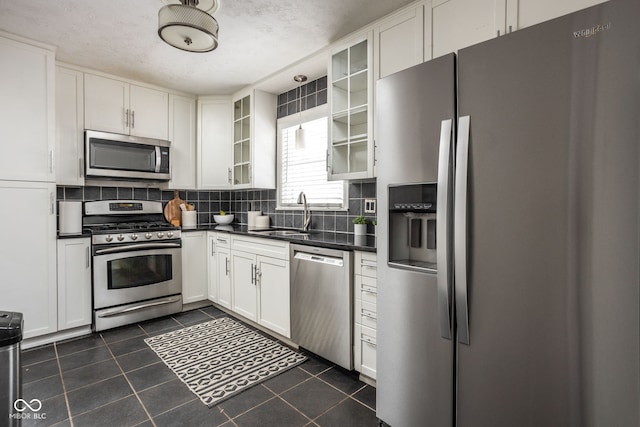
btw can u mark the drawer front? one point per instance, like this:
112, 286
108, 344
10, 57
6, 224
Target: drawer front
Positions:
368, 351
368, 291
367, 314
261, 246
221, 240
365, 264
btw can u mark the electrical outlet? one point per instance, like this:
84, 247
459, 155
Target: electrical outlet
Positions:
370, 206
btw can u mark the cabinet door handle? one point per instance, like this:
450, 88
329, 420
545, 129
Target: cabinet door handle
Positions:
80, 167
52, 204
50, 161
252, 277
133, 119
213, 247
229, 175
126, 118
226, 266
88, 256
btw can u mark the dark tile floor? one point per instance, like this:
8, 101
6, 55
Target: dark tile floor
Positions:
113, 379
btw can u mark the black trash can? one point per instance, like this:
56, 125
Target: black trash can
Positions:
10, 375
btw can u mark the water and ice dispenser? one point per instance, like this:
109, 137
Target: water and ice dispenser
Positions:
412, 226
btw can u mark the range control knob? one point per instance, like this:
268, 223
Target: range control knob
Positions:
160, 235
134, 237
109, 238
169, 234
148, 236
120, 238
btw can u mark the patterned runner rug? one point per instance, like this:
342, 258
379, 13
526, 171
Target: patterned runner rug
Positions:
221, 358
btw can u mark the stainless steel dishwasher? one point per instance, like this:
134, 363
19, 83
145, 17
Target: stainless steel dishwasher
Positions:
322, 301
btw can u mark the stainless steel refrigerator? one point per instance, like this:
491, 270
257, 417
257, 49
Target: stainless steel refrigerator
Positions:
508, 193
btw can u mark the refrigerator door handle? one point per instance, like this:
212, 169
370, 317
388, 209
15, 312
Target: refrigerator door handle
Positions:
460, 230
443, 228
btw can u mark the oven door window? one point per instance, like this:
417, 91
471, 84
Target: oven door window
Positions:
142, 270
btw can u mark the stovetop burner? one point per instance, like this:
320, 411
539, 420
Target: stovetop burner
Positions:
124, 221
131, 226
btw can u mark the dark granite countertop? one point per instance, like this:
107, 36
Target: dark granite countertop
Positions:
341, 241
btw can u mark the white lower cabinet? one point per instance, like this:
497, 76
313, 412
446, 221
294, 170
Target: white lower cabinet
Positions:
219, 269
194, 266
245, 290
74, 283
260, 282
273, 282
365, 313
28, 264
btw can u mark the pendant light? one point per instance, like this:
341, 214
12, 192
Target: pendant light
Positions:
300, 139
189, 25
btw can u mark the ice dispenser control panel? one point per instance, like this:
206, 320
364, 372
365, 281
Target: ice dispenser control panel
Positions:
412, 226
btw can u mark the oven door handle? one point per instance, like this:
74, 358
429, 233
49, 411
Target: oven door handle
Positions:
141, 306
137, 246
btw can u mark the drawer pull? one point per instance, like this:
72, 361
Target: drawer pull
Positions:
368, 340
370, 291
369, 315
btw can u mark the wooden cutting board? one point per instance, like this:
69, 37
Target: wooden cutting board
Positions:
172, 212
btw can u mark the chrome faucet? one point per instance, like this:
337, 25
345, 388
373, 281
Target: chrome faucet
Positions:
306, 217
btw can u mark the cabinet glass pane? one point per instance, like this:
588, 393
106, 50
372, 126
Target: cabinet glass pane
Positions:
237, 131
237, 153
246, 151
237, 110
340, 63
246, 106
358, 125
340, 159
358, 90
340, 131
358, 57
246, 128
358, 157
340, 95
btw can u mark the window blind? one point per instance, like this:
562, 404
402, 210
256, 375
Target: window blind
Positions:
305, 169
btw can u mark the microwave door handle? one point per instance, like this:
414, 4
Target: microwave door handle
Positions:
158, 159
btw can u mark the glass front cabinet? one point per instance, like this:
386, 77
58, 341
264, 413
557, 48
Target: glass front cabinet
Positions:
254, 140
351, 151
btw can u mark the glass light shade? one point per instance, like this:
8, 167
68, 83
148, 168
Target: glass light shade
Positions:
300, 139
188, 28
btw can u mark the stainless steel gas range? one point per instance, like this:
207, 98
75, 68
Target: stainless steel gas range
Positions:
137, 262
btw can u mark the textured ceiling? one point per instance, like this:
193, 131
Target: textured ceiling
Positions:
257, 37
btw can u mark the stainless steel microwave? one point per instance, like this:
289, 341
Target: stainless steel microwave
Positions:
111, 155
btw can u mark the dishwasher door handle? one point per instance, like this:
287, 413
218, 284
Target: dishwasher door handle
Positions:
322, 259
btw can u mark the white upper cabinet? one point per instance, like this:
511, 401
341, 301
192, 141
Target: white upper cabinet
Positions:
456, 24
254, 140
69, 127
399, 42
182, 134
350, 152
117, 106
214, 142
524, 13
27, 85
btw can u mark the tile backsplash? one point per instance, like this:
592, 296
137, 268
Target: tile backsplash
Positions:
238, 202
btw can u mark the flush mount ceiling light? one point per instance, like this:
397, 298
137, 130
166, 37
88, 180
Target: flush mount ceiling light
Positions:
188, 25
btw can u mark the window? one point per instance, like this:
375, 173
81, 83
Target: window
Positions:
305, 169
